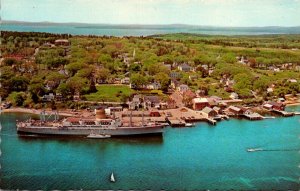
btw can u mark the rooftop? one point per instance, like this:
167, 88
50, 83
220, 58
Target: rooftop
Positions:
200, 100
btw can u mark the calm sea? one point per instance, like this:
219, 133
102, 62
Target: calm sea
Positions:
202, 157
127, 30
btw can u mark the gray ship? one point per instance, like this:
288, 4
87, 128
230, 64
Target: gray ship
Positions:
79, 126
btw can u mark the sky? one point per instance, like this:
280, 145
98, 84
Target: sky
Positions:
193, 12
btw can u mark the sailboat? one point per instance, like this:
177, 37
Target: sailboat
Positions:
112, 178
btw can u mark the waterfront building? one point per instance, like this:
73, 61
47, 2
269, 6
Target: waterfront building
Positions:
274, 105
217, 109
235, 110
151, 101
209, 112
200, 103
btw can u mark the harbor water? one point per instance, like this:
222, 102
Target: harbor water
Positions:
127, 30
200, 157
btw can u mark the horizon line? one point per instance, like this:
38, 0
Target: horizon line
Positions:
192, 25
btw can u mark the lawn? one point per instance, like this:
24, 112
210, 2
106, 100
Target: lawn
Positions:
113, 93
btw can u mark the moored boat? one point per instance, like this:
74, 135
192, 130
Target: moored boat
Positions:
98, 136
189, 124
86, 126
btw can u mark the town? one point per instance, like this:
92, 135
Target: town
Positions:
157, 78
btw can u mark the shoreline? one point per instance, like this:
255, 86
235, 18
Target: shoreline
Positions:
34, 111
293, 104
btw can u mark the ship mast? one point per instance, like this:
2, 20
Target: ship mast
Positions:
130, 121
143, 119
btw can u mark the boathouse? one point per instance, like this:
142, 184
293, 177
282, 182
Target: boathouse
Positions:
200, 103
208, 112
276, 105
235, 110
217, 109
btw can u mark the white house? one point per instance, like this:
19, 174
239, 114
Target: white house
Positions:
270, 90
183, 88
125, 80
154, 86
292, 80
234, 95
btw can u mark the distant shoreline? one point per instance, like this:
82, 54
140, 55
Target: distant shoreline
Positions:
120, 30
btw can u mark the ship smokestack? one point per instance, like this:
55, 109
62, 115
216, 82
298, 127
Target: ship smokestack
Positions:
100, 114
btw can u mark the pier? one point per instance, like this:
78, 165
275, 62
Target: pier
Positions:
283, 113
211, 121
296, 113
253, 116
176, 122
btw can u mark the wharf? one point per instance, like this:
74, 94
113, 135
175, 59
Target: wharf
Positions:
254, 116
221, 117
174, 122
211, 121
181, 116
283, 113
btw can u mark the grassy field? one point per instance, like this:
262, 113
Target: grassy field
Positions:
113, 93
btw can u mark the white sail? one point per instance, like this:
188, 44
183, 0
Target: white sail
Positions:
112, 178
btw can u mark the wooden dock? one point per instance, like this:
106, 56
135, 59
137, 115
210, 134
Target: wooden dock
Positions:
296, 113
211, 121
253, 116
283, 113
174, 122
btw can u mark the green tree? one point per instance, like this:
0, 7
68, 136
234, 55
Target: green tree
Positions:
78, 84
229, 58
164, 80
138, 80
74, 67
102, 74
19, 83
64, 90
16, 98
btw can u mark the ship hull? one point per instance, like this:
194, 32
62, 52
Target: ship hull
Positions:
78, 131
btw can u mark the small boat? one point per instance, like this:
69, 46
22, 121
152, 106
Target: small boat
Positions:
98, 136
255, 149
112, 178
189, 124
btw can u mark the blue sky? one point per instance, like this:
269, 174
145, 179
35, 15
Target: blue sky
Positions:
195, 12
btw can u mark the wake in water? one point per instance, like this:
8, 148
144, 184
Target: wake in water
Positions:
261, 149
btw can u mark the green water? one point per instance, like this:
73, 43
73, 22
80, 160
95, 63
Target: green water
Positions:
202, 157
